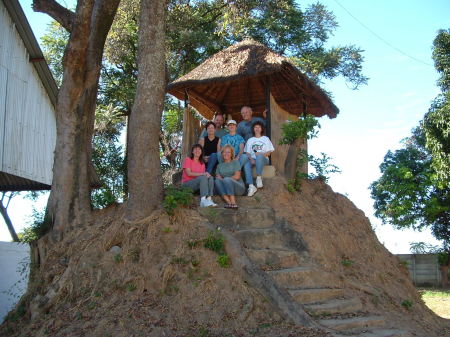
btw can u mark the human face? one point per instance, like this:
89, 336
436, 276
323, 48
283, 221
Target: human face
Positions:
257, 128
218, 121
246, 113
226, 154
232, 128
211, 129
197, 152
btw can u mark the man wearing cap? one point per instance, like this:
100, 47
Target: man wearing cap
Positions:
237, 141
245, 127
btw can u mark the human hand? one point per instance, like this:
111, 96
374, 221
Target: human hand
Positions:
252, 161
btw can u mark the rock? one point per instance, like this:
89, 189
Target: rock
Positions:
115, 249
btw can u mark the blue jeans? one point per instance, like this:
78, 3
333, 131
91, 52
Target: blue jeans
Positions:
203, 184
260, 162
229, 186
212, 161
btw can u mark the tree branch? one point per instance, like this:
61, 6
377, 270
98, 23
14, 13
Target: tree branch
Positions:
60, 13
8, 222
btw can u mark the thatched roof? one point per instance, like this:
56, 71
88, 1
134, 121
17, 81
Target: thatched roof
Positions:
240, 74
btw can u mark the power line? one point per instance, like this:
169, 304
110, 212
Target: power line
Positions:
381, 39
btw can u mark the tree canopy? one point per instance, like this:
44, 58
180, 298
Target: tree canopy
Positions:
406, 194
413, 190
436, 122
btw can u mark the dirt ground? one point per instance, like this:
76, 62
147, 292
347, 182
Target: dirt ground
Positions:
155, 278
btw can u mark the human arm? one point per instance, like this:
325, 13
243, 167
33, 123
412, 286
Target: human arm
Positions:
241, 149
237, 170
187, 168
190, 173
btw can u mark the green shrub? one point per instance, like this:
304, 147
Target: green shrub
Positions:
215, 242
131, 287
322, 167
347, 262
407, 304
223, 260
304, 127
118, 258
176, 196
37, 228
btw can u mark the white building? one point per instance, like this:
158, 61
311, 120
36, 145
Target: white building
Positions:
28, 95
14, 266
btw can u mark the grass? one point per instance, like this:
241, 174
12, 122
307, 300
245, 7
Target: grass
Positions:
437, 300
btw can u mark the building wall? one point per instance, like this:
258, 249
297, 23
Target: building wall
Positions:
27, 116
423, 268
14, 266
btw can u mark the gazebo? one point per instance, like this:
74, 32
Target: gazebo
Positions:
249, 73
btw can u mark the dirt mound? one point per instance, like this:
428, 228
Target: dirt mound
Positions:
156, 278
340, 238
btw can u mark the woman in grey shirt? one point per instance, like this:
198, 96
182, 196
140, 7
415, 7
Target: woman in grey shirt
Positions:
228, 180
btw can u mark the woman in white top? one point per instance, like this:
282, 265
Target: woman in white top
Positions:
258, 149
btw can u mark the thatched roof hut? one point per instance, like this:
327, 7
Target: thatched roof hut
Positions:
248, 73
241, 75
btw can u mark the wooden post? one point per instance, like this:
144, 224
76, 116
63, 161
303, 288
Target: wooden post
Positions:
190, 129
268, 114
185, 146
268, 117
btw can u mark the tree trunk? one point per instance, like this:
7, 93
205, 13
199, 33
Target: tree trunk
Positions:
144, 171
291, 163
8, 222
69, 201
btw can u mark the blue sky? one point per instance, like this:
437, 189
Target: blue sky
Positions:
374, 118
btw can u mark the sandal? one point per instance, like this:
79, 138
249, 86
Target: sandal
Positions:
234, 206
227, 206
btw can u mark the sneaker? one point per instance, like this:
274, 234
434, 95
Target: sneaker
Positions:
211, 202
251, 190
204, 203
259, 183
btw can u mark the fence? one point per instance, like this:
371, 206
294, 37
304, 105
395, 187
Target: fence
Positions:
423, 268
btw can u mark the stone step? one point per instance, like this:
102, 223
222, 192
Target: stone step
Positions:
274, 259
302, 277
335, 306
378, 333
242, 218
255, 218
346, 324
268, 238
305, 296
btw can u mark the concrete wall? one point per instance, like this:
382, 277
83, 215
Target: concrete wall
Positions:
14, 267
423, 269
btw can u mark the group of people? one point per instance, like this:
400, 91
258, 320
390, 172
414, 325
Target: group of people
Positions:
217, 161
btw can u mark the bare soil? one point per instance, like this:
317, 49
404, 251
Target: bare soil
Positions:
163, 282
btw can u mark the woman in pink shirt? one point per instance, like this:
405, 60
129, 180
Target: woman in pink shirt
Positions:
196, 178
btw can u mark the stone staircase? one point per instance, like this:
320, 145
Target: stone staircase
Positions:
273, 247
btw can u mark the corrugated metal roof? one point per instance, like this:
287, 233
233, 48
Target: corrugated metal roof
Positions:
30, 42
9, 182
